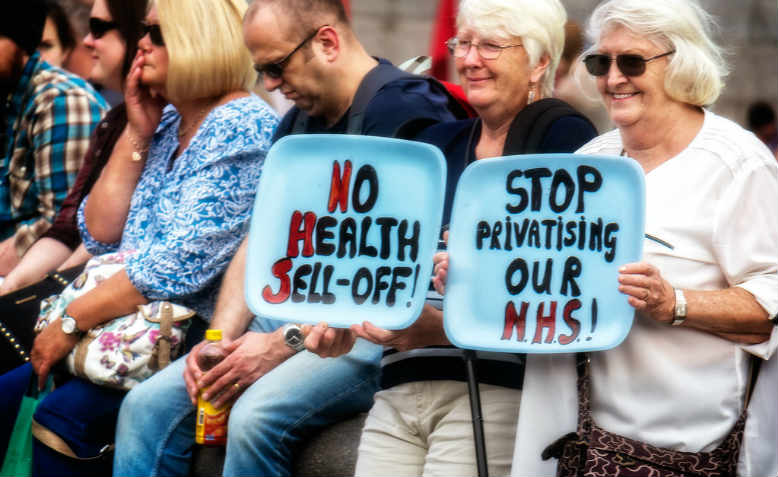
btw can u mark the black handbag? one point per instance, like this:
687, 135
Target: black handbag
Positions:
18, 312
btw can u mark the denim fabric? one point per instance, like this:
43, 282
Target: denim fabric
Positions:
13, 385
83, 414
155, 434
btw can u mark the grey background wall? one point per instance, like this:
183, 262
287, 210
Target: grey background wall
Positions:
399, 29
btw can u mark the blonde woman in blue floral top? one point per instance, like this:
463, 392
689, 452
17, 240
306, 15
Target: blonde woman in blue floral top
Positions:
177, 192
187, 217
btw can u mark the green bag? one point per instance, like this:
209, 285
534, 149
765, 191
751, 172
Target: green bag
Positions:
18, 457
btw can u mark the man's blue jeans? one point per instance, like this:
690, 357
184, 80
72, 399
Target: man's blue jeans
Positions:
155, 434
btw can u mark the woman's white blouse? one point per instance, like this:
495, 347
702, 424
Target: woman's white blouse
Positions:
716, 203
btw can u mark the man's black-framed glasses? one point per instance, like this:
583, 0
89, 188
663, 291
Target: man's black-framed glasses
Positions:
154, 32
275, 70
628, 64
99, 27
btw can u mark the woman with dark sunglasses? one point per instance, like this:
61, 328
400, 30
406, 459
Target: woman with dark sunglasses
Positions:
114, 31
704, 298
113, 38
114, 34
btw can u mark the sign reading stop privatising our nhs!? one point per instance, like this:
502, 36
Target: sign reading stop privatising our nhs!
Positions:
535, 244
343, 230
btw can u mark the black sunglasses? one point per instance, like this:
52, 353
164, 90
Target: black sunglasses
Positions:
275, 70
629, 65
99, 27
154, 32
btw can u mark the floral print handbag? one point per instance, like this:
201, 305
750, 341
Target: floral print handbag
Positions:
126, 350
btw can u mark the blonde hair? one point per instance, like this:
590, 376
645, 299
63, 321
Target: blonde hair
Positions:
696, 71
539, 23
206, 54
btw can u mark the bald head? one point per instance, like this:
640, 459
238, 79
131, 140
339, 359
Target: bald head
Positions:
303, 15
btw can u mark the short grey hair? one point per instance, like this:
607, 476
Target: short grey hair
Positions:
695, 73
539, 23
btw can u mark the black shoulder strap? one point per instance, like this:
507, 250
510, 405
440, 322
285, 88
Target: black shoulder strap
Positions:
529, 126
373, 81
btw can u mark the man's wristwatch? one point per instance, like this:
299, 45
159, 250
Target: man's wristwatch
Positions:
679, 313
69, 326
293, 336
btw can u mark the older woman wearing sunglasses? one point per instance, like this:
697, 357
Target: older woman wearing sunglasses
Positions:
703, 300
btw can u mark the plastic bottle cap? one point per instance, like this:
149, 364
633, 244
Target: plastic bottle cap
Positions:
213, 335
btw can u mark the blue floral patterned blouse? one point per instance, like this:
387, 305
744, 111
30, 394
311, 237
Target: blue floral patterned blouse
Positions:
188, 217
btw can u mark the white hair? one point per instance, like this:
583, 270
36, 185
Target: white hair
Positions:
539, 23
696, 71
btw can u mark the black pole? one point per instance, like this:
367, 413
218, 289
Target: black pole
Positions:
477, 417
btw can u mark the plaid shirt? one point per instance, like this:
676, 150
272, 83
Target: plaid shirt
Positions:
48, 121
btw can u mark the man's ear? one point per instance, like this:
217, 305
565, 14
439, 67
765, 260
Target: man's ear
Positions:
329, 42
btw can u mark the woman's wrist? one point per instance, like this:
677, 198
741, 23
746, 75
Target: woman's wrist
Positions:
140, 145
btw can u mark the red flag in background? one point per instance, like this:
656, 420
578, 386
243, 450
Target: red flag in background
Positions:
347, 7
445, 28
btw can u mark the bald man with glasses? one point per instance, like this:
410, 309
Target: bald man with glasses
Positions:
281, 393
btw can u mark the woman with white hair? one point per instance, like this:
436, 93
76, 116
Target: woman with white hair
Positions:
506, 53
703, 297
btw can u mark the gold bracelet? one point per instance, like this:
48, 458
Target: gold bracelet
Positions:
139, 150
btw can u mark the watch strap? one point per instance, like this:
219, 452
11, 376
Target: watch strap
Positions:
679, 312
76, 331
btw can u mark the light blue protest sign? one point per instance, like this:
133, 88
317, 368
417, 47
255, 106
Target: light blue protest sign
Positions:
344, 229
535, 244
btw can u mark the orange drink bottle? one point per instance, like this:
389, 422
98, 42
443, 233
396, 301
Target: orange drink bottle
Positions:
211, 426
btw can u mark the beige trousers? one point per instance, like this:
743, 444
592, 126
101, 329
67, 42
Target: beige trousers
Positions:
425, 428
